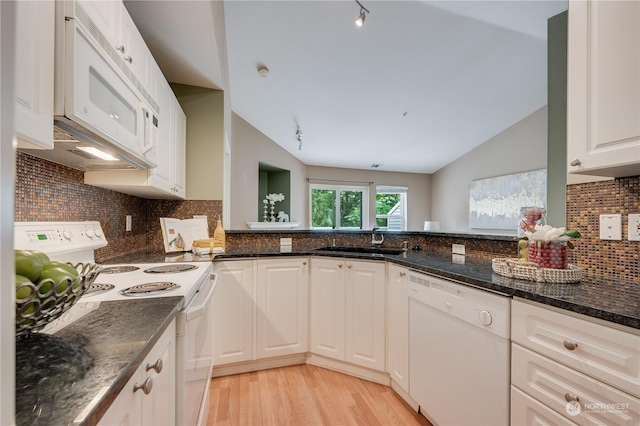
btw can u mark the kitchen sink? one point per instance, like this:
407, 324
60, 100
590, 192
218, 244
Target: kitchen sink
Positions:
365, 250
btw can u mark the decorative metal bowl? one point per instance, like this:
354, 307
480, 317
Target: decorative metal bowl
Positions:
37, 304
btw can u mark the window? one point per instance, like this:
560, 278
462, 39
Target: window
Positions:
391, 208
339, 207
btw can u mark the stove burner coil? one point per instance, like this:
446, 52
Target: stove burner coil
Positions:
148, 289
119, 269
97, 288
164, 269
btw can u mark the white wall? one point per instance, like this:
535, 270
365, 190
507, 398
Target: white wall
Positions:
248, 148
521, 147
418, 193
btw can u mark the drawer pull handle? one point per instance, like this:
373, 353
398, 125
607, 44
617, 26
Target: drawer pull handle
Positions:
569, 345
402, 274
575, 162
340, 265
157, 366
146, 386
569, 397
349, 265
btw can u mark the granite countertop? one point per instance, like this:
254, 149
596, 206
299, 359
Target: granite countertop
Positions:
598, 297
60, 376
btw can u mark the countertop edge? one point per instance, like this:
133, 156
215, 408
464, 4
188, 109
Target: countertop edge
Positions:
105, 402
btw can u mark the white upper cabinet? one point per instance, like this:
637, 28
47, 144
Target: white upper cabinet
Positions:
603, 121
34, 74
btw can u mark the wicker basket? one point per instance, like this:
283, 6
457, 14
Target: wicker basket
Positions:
513, 268
48, 300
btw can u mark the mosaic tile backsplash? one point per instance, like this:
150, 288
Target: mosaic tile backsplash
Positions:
49, 192
585, 203
46, 191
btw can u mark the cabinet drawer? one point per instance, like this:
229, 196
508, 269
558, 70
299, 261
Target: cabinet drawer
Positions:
554, 384
607, 354
527, 411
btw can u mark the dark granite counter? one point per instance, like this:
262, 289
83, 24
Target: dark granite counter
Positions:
599, 297
59, 375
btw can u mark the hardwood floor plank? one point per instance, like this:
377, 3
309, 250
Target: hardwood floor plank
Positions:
305, 395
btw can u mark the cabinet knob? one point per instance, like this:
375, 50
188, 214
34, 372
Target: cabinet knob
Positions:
349, 265
120, 49
569, 345
571, 397
128, 59
157, 366
403, 274
575, 162
340, 265
146, 386
304, 263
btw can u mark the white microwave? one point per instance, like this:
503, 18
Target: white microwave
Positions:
98, 102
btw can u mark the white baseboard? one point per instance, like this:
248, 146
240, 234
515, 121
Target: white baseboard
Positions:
404, 395
379, 377
261, 364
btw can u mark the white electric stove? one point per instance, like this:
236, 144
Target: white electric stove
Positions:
193, 281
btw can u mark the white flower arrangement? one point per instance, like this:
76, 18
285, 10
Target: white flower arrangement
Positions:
273, 198
546, 233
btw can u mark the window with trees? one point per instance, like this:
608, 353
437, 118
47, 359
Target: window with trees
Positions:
391, 208
339, 207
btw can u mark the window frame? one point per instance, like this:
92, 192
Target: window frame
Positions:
337, 188
404, 192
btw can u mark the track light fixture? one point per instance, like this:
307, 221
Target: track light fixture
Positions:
299, 137
363, 12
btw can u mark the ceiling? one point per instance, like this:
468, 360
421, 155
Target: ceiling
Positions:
420, 84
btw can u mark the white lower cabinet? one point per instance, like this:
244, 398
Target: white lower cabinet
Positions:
282, 307
233, 312
528, 411
348, 306
149, 397
398, 325
260, 309
585, 372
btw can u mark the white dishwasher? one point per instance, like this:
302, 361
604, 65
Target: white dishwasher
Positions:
459, 352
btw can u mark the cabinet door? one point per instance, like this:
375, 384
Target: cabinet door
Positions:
34, 73
179, 150
282, 313
365, 314
159, 407
603, 86
327, 330
398, 326
233, 312
160, 176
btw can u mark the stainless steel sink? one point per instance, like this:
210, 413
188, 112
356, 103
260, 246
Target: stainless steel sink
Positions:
365, 250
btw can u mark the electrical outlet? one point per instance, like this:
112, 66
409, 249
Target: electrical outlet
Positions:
611, 227
457, 258
634, 227
285, 241
128, 223
457, 249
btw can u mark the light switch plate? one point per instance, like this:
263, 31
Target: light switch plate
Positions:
611, 227
457, 249
634, 227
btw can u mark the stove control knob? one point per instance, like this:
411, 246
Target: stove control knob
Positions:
98, 233
66, 234
485, 317
90, 233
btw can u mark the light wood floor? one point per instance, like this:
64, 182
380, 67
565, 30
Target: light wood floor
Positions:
306, 395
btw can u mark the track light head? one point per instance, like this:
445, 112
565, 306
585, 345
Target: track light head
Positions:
362, 16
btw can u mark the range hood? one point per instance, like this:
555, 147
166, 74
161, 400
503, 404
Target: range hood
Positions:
70, 149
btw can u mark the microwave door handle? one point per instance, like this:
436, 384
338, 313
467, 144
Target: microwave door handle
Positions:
193, 312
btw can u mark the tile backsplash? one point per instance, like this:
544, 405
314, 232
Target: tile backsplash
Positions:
585, 203
46, 191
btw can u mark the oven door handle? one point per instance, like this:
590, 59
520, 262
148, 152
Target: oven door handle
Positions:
193, 312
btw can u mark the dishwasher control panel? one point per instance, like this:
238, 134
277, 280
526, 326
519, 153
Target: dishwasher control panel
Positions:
476, 307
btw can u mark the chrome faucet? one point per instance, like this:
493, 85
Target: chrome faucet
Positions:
375, 242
